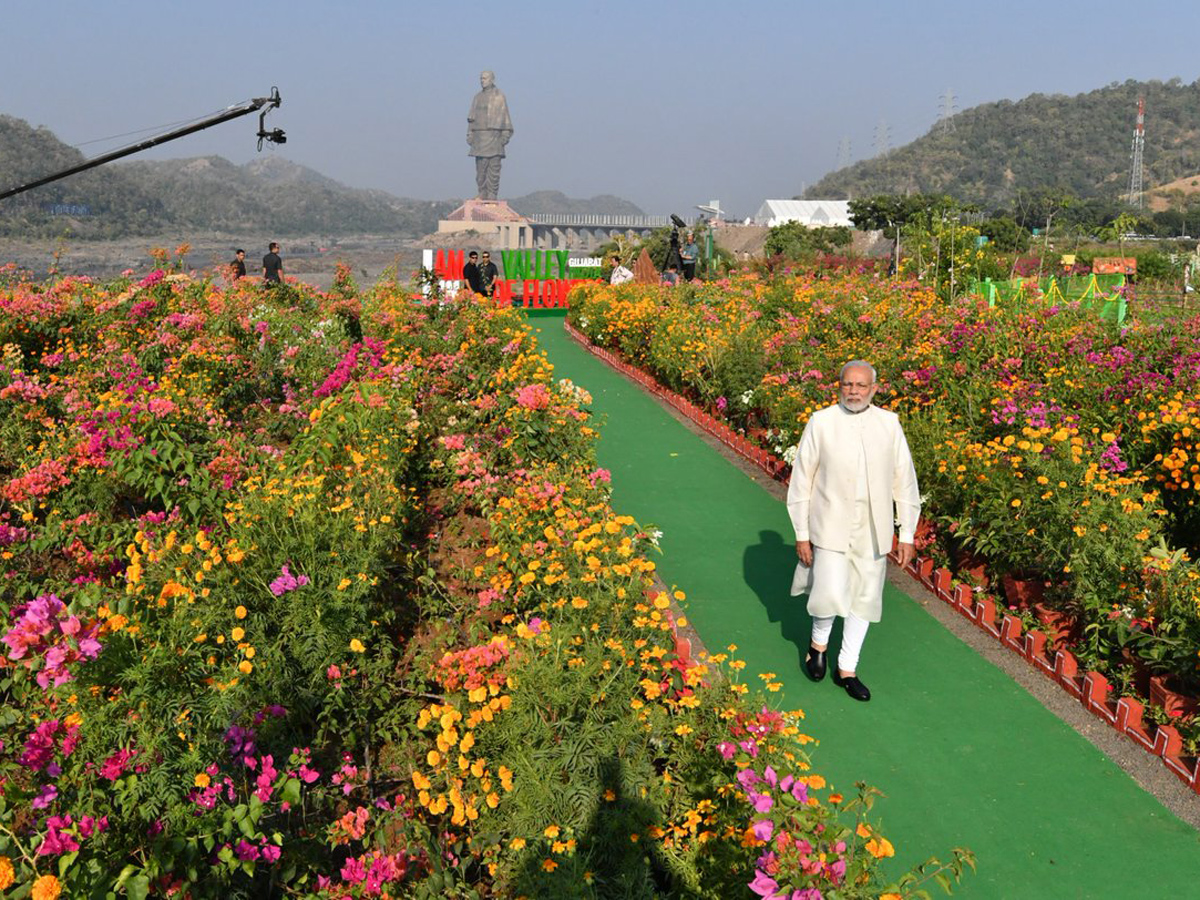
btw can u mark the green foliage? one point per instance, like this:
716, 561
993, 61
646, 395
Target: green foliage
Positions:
793, 240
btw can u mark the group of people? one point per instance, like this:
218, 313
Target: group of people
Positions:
272, 265
481, 276
681, 264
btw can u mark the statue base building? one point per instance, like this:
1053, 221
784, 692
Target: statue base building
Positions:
495, 218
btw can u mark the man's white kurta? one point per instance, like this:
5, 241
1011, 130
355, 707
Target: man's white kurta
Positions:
853, 476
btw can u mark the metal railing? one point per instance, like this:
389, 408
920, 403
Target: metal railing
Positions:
584, 220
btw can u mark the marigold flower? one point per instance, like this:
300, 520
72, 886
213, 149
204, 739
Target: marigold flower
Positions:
357, 646
240, 612
46, 888
6, 873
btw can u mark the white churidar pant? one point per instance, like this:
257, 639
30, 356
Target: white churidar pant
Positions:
854, 632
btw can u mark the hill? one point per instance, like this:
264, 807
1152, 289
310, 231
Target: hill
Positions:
270, 194
558, 202
276, 195
102, 203
1080, 143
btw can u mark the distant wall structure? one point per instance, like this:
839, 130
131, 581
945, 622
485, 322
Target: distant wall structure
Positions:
810, 213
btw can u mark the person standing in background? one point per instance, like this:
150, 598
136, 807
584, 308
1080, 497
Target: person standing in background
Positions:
272, 265
488, 273
471, 273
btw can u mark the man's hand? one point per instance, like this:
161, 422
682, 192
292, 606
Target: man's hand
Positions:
906, 553
804, 551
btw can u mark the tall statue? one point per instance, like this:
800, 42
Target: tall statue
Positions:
488, 130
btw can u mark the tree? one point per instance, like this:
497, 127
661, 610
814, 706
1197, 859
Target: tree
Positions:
794, 240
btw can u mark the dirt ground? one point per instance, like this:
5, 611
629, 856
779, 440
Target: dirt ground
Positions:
308, 258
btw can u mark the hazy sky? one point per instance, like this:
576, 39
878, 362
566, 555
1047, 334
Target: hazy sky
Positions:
665, 104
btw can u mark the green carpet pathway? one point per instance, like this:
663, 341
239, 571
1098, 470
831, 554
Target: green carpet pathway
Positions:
965, 756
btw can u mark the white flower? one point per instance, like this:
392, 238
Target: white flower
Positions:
789, 455
747, 397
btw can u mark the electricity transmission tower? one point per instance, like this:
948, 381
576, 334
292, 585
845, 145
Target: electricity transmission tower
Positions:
883, 138
1136, 167
947, 111
843, 153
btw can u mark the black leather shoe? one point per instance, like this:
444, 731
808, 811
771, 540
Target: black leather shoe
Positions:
853, 686
814, 664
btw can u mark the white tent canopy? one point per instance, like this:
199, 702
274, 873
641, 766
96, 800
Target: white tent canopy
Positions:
810, 213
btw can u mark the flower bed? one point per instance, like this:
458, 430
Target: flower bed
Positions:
321, 595
1052, 445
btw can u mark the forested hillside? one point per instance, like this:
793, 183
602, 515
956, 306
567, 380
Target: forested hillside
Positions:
105, 202
1078, 144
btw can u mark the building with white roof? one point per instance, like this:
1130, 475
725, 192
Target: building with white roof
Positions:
810, 213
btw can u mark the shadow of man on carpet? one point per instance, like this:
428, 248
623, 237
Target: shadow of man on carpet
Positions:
767, 568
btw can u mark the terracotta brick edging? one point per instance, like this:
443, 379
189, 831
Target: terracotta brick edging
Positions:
1091, 689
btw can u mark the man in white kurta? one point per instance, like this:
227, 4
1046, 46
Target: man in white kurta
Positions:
853, 476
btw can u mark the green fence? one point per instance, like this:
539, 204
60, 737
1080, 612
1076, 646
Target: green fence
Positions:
1099, 292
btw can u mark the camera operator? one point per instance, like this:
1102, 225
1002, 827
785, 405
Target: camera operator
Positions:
689, 253
673, 255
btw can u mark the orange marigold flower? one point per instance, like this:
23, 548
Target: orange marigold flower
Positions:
880, 847
46, 888
6, 873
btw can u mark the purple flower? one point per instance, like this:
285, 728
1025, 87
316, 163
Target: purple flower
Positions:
761, 802
287, 582
45, 797
747, 778
763, 829
764, 885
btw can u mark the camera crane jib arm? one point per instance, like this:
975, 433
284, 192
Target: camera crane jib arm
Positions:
266, 104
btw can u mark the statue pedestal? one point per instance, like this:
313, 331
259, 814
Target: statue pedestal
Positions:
493, 218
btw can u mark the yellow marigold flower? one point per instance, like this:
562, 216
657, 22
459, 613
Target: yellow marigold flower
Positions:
202, 780
880, 847
46, 888
551, 831
1015, 503
6, 873
357, 646
237, 634
343, 584
240, 612
517, 844
245, 667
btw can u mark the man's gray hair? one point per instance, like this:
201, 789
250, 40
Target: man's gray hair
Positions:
858, 364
